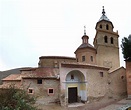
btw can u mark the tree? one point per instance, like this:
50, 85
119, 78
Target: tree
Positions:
15, 99
126, 48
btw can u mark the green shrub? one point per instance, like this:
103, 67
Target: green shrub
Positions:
15, 99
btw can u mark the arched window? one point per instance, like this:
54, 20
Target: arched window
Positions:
101, 26
111, 40
107, 27
105, 39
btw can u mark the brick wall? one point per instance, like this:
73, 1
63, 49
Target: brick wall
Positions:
128, 76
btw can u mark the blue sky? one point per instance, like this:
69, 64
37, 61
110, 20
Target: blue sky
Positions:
33, 28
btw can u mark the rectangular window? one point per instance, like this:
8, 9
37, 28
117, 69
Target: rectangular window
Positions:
72, 76
83, 58
101, 74
30, 91
50, 91
39, 81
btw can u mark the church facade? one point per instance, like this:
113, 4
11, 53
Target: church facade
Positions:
94, 73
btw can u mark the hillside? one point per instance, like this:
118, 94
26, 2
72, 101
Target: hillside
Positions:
4, 74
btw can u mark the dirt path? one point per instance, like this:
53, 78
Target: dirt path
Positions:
88, 106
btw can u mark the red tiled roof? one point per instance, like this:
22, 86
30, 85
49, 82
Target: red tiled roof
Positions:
27, 69
12, 77
42, 73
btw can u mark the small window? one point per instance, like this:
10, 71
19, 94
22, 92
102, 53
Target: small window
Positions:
107, 27
122, 77
92, 58
111, 40
39, 81
101, 26
105, 39
30, 91
83, 58
101, 74
72, 76
50, 91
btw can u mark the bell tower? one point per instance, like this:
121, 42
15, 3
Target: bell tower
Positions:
106, 43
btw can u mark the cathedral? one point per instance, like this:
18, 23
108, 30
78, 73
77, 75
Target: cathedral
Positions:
93, 74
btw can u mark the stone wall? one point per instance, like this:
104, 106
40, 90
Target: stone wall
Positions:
41, 91
88, 53
117, 83
96, 80
96, 83
53, 61
16, 83
108, 56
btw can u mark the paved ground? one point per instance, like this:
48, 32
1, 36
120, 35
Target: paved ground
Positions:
120, 105
98, 105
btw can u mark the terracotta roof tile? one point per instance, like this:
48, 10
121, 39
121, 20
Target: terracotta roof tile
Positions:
42, 73
12, 77
86, 45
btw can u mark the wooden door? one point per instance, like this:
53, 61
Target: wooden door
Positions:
72, 95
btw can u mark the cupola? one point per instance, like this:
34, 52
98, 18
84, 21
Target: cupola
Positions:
86, 52
85, 37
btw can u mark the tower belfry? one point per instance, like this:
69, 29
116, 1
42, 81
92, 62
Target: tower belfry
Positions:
106, 43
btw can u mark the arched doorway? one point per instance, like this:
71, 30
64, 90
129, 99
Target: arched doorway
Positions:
76, 87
